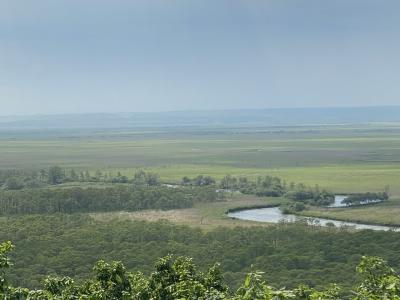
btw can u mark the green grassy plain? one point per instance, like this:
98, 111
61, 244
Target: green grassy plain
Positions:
357, 158
341, 158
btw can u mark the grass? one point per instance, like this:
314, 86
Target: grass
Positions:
387, 213
338, 178
211, 215
357, 158
340, 158
205, 216
268, 149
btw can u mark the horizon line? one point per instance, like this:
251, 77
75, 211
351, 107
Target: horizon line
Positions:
196, 110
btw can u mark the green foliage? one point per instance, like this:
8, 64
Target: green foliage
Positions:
111, 280
18, 179
365, 198
4, 263
255, 288
114, 198
13, 183
179, 279
308, 195
270, 186
292, 207
56, 175
142, 178
199, 180
290, 255
263, 186
379, 280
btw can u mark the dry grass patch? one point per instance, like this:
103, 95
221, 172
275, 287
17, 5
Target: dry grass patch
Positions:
206, 215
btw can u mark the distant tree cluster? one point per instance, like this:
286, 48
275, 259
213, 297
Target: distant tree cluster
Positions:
199, 180
180, 279
292, 207
275, 187
262, 186
267, 186
310, 195
54, 175
365, 198
19, 179
142, 178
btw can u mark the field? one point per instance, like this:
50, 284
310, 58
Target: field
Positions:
340, 158
347, 158
206, 216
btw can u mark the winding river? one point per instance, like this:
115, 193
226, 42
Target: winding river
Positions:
274, 215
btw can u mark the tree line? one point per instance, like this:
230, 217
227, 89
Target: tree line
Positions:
272, 186
266, 186
262, 186
98, 199
54, 175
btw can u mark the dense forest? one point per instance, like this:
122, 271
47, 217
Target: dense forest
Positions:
111, 198
45, 214
266, 186
34, 198
289, 254
261, 186
179, 278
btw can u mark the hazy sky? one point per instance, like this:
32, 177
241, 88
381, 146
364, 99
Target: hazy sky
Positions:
63, 56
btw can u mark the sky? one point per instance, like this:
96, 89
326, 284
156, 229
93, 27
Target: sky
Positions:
79, 56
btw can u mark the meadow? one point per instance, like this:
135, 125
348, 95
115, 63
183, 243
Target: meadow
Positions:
343, 158
340, 158
207, 216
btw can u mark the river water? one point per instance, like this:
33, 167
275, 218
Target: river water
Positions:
274, 215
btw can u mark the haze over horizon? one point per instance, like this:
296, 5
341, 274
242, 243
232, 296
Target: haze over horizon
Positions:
150, 55
225, 110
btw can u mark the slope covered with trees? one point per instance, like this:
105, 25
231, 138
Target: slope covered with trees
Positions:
68, 243
179, 279
290, 255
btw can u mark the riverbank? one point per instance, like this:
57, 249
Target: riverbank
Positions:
275, 215
386, 213
370, 214
212, 215
206, 216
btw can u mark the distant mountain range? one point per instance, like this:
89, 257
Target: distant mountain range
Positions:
222, 118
